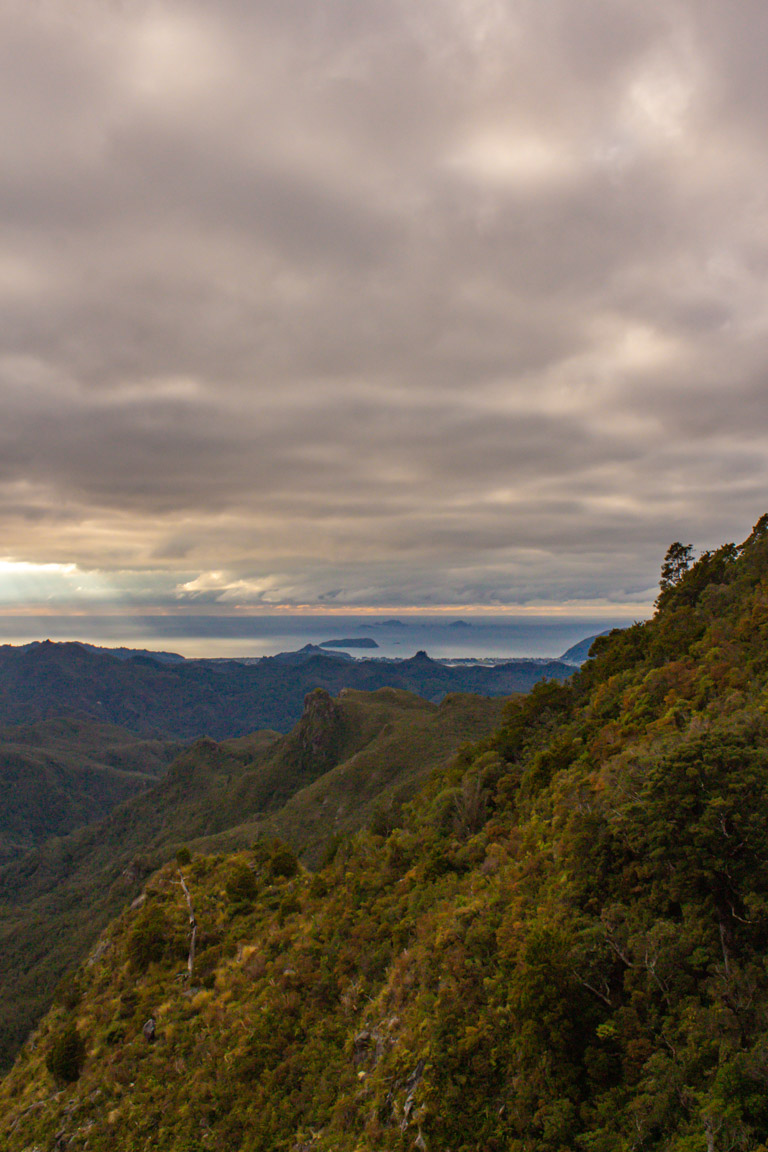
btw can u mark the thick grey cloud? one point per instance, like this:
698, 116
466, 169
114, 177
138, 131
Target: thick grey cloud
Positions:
374, 302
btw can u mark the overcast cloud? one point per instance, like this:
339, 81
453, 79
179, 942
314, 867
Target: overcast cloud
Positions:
375, 302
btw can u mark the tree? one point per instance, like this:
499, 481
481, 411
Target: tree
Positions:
677, 561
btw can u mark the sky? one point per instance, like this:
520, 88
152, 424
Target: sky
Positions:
373, 303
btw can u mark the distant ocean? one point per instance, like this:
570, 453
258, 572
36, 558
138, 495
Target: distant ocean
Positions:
399, 637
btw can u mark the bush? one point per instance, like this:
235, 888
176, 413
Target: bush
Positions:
287, 907
318, 887
67, 1056
241, 886
115, 1034
70, 992
127, 1005
283, 863
148, 940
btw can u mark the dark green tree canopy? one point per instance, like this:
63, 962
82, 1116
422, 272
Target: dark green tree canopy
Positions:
66, 1056
677, 561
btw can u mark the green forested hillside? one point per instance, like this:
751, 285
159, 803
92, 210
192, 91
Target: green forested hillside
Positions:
59, 774
561, 947
392, 741
377, 746
224, 699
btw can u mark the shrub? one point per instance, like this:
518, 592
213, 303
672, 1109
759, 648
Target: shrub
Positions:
283, 862
318, 887
67, 1056
148, 940
241, 886
115, 1034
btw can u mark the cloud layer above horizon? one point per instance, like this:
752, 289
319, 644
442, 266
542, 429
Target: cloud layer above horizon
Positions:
368, 302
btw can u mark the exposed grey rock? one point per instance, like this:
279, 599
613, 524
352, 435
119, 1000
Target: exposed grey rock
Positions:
101, 948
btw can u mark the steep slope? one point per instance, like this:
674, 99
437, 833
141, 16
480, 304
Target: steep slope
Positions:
562, 947
53, 902
59, 774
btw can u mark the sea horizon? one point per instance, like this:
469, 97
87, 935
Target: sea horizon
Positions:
442, 636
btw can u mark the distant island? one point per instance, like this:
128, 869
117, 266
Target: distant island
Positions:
359, 642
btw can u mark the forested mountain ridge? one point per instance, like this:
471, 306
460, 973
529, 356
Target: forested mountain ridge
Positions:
223, 699
562, 947
345, 763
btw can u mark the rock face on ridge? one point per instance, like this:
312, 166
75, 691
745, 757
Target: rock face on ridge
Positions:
318, 733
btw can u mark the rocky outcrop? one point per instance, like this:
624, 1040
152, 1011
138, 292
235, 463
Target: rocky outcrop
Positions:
318, 733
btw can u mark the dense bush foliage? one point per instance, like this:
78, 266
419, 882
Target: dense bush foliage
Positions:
66, 1056
344, 761
560, 948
